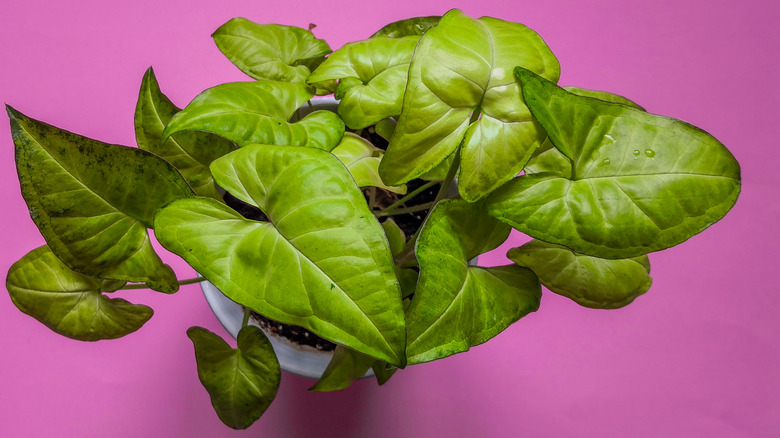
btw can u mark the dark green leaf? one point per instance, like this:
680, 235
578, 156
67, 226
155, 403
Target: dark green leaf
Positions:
257, 113
322, 262
457, 306
70, 303
639, 182
270, 51
410, 26
243, 382
93, 201
345, 367
383, 371
461, 66
189, 152
589, 281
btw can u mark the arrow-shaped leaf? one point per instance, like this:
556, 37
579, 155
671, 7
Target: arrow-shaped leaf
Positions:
410, 26
461, 66
322, 262
257, 113
589, 281
457, 306
549, 159
345, 367
640, 182
189, 152
70, 303
372, 76
242, 382
270, 51
93, 201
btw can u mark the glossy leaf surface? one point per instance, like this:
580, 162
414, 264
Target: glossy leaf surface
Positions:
322, 262
362, 160
457, 306
270, 51
461, 66
257, 113
549, 159
372, 76
639, 183
241, 382
190, 152
345, 367
70, 303
589, 281
93, 201
410, 26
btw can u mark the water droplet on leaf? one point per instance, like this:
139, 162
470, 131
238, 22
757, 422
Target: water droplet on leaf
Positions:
650, 153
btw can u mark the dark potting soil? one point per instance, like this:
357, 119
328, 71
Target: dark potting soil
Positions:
296, 334
409, 223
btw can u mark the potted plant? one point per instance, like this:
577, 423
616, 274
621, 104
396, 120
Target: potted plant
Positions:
311, 223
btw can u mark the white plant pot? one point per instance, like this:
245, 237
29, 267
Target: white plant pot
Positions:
302, 360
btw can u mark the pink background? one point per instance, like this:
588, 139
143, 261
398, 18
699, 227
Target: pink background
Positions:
696, 356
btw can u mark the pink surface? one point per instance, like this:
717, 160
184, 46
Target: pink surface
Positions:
696, 356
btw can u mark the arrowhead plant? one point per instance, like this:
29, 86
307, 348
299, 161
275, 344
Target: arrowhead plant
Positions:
450, 132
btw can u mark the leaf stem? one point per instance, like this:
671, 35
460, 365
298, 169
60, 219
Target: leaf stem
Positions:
371, 198
247, 314
144, 286
411, 209
409, 196
408, 251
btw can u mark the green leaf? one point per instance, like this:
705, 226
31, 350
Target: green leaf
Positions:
461, 66
189, 152
639, 183
590, 281
345, 367
383, 371
322, 262
257, 113
362, 160
457, 306
270, 51
549, 159
93, 201
410, 26
241, 382
603, 95
70, 303
395, 236
372, 76
385, 128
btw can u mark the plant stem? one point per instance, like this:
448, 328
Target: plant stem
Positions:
411, 209
247, 313
181, 283
409, 196
408, 251
371, 198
